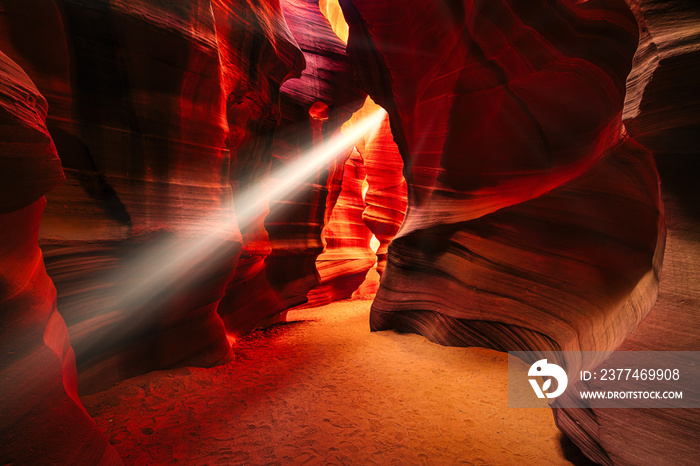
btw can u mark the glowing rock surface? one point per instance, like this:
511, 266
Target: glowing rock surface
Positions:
532, 219
149, 106
534, 222
38, 375
278, 263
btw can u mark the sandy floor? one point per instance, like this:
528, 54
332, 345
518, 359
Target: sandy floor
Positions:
324, 390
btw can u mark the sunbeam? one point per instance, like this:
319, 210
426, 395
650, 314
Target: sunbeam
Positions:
151, 277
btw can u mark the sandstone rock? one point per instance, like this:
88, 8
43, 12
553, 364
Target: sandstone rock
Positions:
146, 100
661, 106
534, 222
386, 197
281, 269
41, 417
344, 264
365, 207
347, 256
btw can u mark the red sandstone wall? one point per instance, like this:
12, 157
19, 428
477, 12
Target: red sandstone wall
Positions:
41, 416
160, 147
527, 200
530, 208
278, 263
347, 256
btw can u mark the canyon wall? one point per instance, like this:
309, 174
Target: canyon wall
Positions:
366, 198
534, 220
141, 138
513, 150
277, 267
167, 120
346, 256
365, 207
661, 110
662, 93
40, 414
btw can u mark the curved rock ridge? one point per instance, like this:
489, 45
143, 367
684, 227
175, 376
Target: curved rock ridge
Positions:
534, 221
571, 269
654, 436
347, 255
150, 106
253, 113
38, 379
365, 206
386, 196
278, 268
502, 148
30, 166
662, 107
383, 203
576, 126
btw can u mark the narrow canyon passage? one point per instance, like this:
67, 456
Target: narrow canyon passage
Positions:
322, 389
218, 217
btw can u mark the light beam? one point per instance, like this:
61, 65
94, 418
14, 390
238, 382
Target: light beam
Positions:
161, 270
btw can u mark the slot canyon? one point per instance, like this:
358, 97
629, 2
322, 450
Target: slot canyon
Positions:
310, 231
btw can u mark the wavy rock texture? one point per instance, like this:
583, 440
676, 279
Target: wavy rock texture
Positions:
522, 147
142, 100
278, 272
38, 378
370, 183
534, 222
347, 256
656, 436
253, 113
365, 206
661, 108
386, 196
